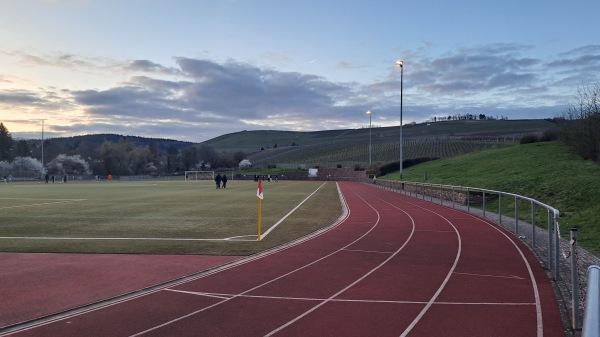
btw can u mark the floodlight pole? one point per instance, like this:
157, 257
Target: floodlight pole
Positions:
400, 64
369, 113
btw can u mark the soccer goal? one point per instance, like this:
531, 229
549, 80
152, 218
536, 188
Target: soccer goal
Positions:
199, 175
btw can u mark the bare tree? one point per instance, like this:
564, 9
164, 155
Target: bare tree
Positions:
581, 129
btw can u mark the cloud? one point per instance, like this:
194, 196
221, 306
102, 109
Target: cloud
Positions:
13, 97
474, 70
197, 99
149, 66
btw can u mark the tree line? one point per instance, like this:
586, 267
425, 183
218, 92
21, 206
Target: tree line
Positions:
122, 157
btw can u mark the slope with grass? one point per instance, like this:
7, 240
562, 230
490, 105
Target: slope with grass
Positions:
547, 171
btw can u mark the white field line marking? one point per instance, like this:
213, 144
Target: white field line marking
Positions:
61, 201
540, 327
343, 217
96, 239
270, 281
360, 278
233, 238
264, 235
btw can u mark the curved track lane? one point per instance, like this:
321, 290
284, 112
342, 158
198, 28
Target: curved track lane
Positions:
394, 266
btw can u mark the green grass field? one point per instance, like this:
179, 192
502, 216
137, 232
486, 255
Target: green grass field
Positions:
159, 217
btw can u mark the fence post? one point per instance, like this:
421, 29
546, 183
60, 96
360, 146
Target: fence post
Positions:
468, 201
516, 215
483, 203
556, 246
533, 223
574, 281
500, 206
550, 245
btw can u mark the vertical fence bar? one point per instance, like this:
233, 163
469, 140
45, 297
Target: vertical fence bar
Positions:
500, 206
468, 201
556, 246
550, 245
516, 215
483, 203
574, 282
532, 224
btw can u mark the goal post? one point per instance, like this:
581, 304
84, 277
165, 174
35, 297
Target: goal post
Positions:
199, 175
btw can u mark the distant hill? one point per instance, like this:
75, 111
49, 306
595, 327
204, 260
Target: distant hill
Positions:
348, 147
95, 141
251, 141
344, 147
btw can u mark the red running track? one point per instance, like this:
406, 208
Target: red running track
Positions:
393, 266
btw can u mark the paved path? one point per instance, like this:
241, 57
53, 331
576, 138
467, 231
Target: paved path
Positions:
394, 266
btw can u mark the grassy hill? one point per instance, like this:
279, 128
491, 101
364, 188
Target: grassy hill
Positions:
251, 141
349, 147
547, 171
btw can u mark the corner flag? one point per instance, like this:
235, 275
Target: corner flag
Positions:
259, 193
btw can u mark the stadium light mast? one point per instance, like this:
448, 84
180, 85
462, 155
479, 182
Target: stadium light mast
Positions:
400, 64
369, 113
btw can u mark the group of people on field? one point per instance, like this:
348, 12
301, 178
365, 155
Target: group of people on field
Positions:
221, 179
47, 178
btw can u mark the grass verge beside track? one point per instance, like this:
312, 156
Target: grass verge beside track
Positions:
157, 217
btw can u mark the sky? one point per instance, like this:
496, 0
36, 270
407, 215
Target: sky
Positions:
194, 70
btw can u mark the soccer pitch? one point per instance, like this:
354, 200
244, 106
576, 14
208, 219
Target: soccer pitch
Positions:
160, 217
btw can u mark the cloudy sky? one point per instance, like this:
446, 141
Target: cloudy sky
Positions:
193, 70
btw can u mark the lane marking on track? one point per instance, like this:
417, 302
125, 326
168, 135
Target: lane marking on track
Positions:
341, 300
360, 279
220, 296
367, 251
536, 294
495, 276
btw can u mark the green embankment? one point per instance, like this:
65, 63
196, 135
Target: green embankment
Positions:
547, 171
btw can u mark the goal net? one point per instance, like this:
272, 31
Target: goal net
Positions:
199, 175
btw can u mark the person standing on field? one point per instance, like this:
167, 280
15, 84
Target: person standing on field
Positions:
218, 180
224, 179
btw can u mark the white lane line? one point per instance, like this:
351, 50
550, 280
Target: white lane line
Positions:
536, 293
220, 296
367, 251
342, 300
539, 318
357, 280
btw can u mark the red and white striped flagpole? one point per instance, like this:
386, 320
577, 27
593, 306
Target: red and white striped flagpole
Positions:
259, 194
